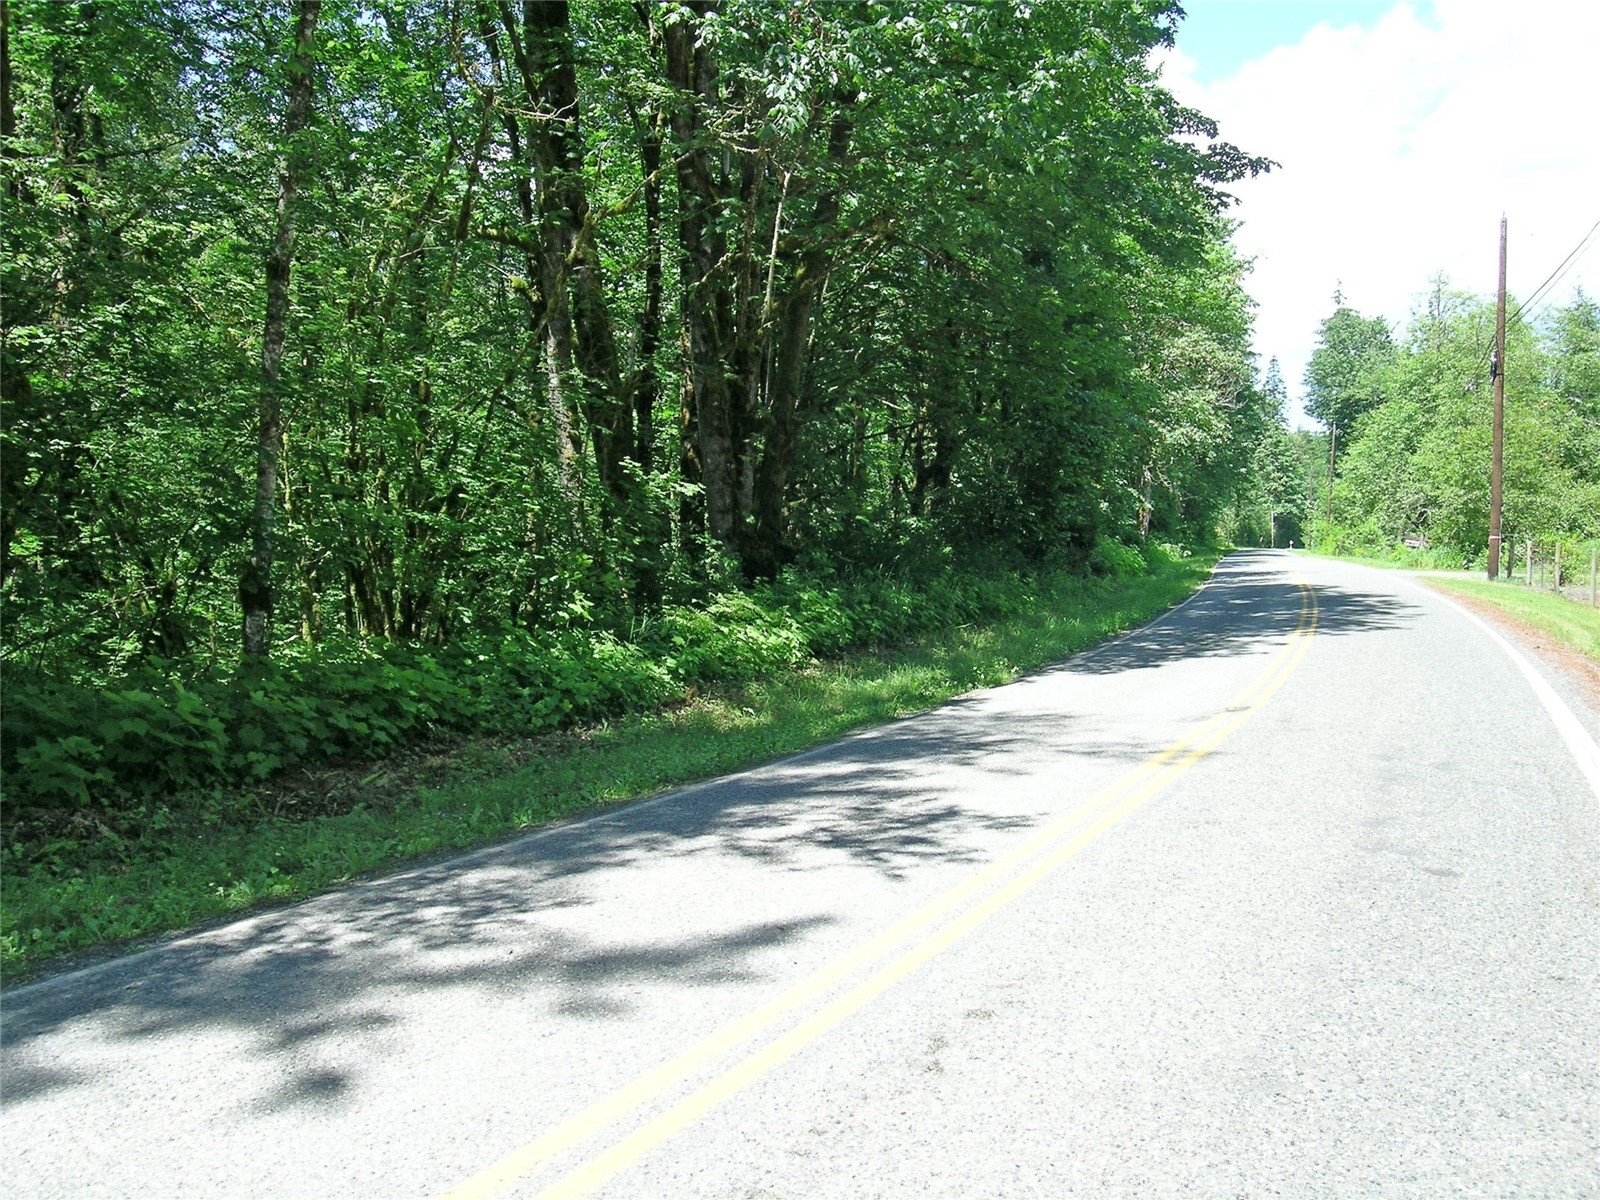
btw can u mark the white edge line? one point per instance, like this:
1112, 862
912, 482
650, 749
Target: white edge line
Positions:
1583, 747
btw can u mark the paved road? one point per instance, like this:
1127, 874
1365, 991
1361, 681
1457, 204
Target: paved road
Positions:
1293, 893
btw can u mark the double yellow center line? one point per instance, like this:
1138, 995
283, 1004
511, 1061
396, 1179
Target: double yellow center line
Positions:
911, 941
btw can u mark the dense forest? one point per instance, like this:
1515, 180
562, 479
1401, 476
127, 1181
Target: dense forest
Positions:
1409, 415
372, 368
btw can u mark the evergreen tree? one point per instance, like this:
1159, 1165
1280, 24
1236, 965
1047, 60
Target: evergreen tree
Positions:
1344, 379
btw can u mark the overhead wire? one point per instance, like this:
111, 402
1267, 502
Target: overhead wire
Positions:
1551, 299
1555, 276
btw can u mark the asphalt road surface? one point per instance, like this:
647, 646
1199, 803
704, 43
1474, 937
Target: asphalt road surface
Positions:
1291, 893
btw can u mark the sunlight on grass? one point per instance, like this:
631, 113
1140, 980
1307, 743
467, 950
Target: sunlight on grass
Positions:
78, 900
1576, 625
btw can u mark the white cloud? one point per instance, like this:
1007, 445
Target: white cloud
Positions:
1401, 145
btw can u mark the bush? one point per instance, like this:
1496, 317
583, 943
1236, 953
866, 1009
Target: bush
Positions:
163, 730
67, 746
1116, 559
734, 638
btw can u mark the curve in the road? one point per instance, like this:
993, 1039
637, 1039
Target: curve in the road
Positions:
917, 938
1348, 950
1585, 752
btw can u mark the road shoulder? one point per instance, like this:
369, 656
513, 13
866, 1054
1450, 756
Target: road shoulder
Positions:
1574, 675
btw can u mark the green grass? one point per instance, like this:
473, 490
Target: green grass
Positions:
1576, 625
1397, 558
207, 862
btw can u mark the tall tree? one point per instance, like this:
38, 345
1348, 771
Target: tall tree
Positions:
1344, 378
945, 286
256, 596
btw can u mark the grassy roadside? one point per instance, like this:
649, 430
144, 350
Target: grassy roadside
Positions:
96, 893
1574, 625
1398, 559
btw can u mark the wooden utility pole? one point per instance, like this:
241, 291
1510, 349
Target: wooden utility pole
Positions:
1499, 374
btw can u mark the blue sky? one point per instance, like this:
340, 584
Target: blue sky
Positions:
1222, 35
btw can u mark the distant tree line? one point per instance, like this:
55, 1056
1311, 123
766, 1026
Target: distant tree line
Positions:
1410, 411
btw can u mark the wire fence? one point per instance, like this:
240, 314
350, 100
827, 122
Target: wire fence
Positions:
1572, 569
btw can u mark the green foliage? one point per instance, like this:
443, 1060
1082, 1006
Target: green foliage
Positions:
1116, 559
734, 638
205, 854
155, 735
1417, 469
929, 301
1345, 377
1412, 481
116, 748
1574, 625
1030, 309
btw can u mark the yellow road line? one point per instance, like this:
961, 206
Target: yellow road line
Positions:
1133, 790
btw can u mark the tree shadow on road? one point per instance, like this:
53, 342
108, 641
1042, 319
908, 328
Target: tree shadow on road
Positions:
947, 786
1248, 604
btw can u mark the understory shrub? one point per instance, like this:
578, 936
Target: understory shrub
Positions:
1368, 541
1116, 559
170, 727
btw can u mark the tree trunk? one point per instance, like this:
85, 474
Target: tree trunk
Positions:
15, 391
578, 329
693, 72
767, 551
931, 474
646, 384
650, 527
691, 496
8, 111
255, 586
566, 443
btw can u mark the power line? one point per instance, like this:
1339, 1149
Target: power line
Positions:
1561, 269
1555, 276
1550, 299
